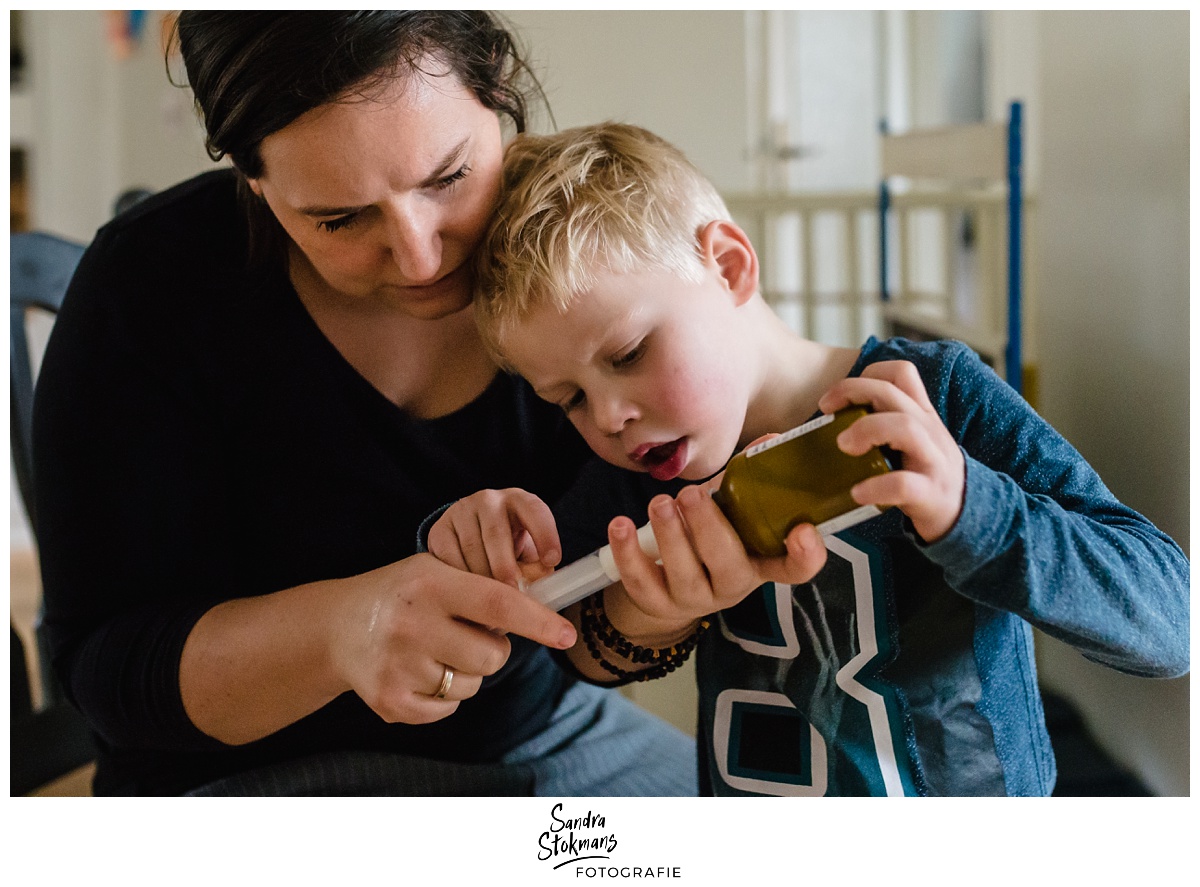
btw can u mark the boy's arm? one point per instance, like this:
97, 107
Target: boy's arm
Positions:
1089, 571
1040, 535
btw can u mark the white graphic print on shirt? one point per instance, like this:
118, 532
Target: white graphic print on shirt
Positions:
799, 710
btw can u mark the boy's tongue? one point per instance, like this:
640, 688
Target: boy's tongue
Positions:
665, 461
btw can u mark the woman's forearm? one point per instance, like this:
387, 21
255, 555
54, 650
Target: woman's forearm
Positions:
255, 665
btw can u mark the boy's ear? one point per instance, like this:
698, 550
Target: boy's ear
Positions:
727, 246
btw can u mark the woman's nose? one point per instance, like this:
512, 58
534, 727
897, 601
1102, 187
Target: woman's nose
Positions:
415, 244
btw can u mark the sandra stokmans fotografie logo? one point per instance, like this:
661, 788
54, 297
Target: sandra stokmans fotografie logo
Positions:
589, 843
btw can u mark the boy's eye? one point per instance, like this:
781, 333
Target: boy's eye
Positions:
340, 223
629, 358
456, 176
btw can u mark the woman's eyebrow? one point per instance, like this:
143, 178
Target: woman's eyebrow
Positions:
328, 210
448, 161
439, 172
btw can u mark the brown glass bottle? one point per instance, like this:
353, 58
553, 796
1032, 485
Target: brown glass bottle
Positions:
799, 477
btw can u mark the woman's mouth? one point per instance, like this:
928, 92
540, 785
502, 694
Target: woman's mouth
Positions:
663, 461
436, 285
445, 295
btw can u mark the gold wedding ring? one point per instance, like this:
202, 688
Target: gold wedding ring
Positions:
447, 678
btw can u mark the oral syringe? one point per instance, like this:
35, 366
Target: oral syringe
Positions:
799, 476
590, 573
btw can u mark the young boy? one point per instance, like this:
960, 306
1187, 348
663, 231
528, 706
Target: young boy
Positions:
896, 656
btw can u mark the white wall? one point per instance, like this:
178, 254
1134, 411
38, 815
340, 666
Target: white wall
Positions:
1113, 241
101, 124
1107, 101
681, 74
831, 86
1013, 73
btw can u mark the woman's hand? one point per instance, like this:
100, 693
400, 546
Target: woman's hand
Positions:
509, 535
252, 666
705, 567
930, 486
414, 619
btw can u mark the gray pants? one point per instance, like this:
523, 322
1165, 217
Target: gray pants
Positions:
598, 744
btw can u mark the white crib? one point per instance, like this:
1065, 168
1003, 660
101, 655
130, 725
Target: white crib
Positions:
919, 257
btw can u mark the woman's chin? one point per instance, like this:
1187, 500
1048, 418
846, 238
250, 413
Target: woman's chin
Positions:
429, 304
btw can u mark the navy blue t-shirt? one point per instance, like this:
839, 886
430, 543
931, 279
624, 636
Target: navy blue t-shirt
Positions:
907, 669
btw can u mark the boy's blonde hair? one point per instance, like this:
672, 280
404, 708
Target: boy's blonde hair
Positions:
609, 197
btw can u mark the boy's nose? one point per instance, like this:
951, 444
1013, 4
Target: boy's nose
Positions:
612, 413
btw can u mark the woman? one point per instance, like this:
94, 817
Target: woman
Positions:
260, 382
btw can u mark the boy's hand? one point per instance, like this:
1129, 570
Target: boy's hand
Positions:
705, 567
930, 485
509, 535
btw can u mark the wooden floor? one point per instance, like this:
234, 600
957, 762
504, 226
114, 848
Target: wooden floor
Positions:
25, 591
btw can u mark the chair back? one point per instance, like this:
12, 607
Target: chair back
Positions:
40, 268
52, 739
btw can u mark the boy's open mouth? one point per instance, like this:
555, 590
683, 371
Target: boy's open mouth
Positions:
664, 461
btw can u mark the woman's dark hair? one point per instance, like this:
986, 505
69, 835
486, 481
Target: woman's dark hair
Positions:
253, 73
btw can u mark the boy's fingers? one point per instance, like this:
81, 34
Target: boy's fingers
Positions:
500, 551
897, 488
721, 553
902, 432
879, 394
445, 546
805, 557
642, 578
532, 571
508, 525
893, 385
468, 535
531, 514
524, 549
903, 374
686, 576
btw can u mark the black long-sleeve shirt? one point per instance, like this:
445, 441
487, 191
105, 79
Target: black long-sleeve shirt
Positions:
197, 439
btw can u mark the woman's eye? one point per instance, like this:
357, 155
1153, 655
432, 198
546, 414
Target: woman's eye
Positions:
340, 223
629, 358
574, 402
456, 176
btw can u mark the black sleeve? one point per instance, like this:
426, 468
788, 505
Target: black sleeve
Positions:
128, 501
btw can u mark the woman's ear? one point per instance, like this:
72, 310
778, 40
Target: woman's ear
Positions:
730, 250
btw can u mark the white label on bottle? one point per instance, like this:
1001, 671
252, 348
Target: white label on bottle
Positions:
849, 519
811, 425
